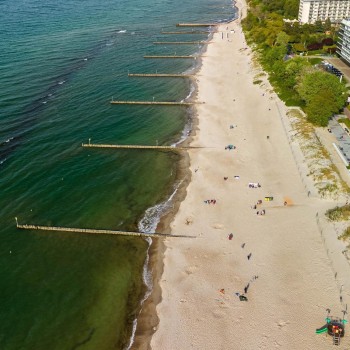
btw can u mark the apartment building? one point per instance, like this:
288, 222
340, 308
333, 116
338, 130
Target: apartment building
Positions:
311, 11
343, 43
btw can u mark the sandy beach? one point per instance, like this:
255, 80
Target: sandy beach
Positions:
277, 260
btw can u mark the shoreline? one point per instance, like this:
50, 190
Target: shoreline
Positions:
288, 281
148, 320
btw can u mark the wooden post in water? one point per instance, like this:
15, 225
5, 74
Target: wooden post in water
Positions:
165, 103
162, 148
197, 24
172, 56
94, 231
188, 32
161, 75
180, 42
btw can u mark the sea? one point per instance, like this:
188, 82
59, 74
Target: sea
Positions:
61, 63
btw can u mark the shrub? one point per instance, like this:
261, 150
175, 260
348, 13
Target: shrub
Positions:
328, 42
345, 235
299, 47
315, 46
338, 213
331, 49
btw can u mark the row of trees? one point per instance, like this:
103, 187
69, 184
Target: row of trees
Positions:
295, 79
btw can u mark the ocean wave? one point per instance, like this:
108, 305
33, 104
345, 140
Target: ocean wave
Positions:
192, 90
150, 221
8, 140
147, 280
148, 224
185, 133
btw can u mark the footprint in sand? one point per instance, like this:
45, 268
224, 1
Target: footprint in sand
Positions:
218, 226
191, 269
189, 221
219, 313
276, 344
282, 324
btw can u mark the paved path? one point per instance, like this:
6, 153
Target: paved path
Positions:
342, 137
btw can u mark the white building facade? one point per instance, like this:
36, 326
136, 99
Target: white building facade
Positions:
343, 43
311, 11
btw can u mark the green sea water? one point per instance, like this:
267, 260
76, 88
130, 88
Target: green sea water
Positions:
61, 62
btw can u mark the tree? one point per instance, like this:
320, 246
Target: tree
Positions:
291, 8
323, 94
292, 70
282, 39
317, 111
327, 25
319, 26
274, 54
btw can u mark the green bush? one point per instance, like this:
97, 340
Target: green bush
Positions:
346, 234
339, 213
299, 47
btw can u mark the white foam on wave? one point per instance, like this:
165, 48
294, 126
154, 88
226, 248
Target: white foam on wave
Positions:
8, 140
61, 82
147, 280
185, 133
148, 224
150, 221
192, 90
122, 31
3, 161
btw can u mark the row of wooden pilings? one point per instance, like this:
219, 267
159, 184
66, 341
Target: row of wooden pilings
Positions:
168, 148
164, 148
96, 231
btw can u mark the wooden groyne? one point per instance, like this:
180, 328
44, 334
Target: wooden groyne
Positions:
167, 148
173, 56
160, 75
100, 232
180, 42
189, 32
154, 103
197, 24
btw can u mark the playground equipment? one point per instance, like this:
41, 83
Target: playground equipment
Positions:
335, 327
